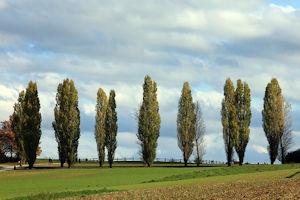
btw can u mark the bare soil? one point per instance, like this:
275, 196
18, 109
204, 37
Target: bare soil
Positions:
287, 188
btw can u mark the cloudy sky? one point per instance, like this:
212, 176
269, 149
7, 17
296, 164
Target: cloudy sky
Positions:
114, 44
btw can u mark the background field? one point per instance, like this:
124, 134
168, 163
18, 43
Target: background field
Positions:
88, 179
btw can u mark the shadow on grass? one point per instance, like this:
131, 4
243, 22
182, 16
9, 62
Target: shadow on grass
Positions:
189, 166
224, 171
293, 175
49, 196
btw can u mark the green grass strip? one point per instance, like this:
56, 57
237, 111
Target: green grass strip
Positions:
49, 196
224, 171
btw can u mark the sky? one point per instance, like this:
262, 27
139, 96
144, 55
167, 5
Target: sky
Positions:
114, 44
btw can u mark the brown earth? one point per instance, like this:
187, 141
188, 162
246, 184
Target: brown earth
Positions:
269, 189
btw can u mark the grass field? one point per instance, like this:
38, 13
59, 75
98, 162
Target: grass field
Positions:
130, 180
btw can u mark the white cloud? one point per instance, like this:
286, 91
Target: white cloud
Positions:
260, 149
8, 92
191, 18
209, 98
48, 144
6, 109
8, 97
296, 133
3, 4
87, 146
8, 40
168, 148
89, 109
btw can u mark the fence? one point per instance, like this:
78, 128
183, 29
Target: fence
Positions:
160, 160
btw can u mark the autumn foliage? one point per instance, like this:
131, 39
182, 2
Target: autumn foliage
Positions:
7, 141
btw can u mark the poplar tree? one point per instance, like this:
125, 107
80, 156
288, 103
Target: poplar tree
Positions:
148, 122
67, 122
101, 107
111, 128
286, 139
200, 132
31, 126
17, 124
229, 120
243, 111
273, 117
186, 120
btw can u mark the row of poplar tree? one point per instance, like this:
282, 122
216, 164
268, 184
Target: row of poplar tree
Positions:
236, 119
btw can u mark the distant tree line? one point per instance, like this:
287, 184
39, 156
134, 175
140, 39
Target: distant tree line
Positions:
20, 135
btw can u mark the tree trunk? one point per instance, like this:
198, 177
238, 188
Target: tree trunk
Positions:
69, 164
282, 153
229, 151
241, 159
283, 157
185, 162
198, 154
11, 153
30, 165
21, 161
61, 164
272, 161
272, 158
110, 164
229, 162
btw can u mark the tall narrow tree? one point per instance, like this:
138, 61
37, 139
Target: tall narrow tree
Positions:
286, 139
111, 128
17, 124
186, 120
229, 120
100, 124
31, 129
243, 111
273, 117
200, 132
67, 122
148, 122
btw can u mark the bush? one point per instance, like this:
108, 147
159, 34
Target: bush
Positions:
293, 157
5, 159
